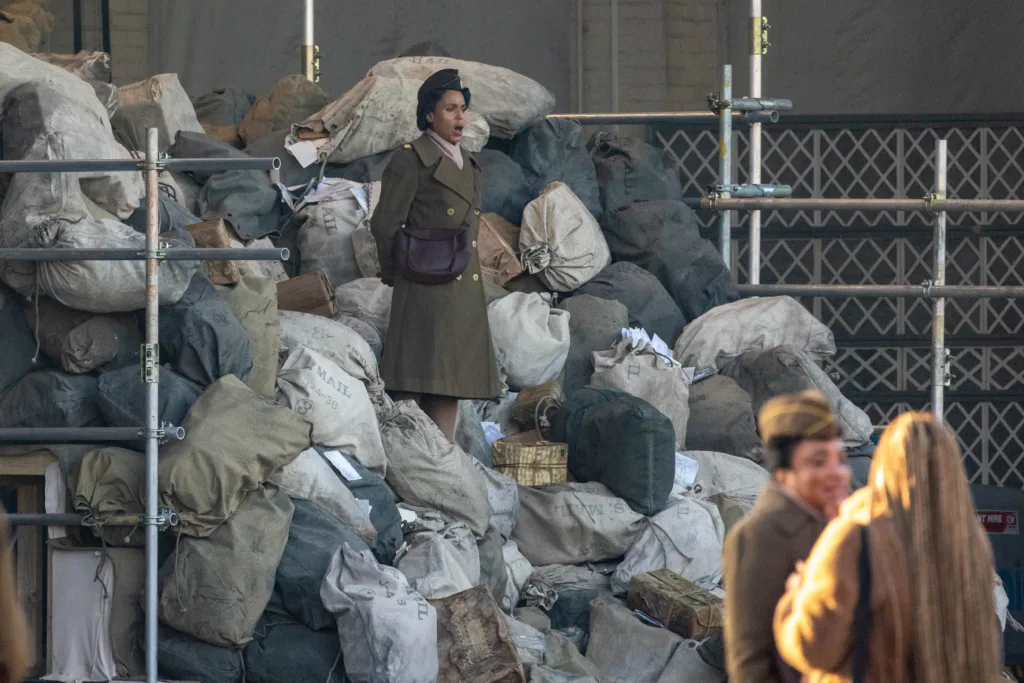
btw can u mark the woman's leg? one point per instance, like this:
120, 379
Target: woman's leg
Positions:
397, 396
443, 410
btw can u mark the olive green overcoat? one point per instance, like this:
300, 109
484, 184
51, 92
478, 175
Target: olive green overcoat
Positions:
760, 553
438, 341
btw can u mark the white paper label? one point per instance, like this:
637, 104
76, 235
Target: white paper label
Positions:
342, 465
304, 151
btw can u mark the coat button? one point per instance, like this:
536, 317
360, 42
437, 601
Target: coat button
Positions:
477, 212
475, 277
451, 211
474, 244
458, 277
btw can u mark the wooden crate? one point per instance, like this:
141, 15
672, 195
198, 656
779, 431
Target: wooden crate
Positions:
681, 606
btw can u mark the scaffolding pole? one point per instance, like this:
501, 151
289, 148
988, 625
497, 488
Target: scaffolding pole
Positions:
939, 363
923, 291
725, 162
668, 118
151, 377
756, 50
171, 254
123, 165
82, 434
154, 254
812, 204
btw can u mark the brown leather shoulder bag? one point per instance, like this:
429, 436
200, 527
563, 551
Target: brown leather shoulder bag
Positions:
435, 256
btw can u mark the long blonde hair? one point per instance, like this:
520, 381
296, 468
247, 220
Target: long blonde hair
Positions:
917, 476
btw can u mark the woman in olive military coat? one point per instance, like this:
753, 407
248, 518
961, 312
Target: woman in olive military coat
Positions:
438, 348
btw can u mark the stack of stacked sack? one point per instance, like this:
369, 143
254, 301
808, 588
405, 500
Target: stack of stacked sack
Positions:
327, 532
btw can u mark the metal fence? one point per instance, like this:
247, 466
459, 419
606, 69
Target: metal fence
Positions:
884, 362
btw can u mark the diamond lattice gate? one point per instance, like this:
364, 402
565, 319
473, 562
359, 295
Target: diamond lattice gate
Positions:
883, 363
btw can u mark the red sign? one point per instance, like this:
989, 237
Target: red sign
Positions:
999, 521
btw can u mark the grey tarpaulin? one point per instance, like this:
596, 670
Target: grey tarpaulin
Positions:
663, 238
506, 190
246, 199
553, 150
201, 336
629, 171
314, 536
722, 419
649, 305
184, 658
19, 346
594, 325
427, 48
50, 398
621, 441
384, 514
121, 398
217, 588
284, 650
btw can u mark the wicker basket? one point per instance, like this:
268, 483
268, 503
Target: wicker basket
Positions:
534, 463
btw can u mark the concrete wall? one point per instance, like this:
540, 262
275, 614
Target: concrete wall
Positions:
668, 49
129, 34
668, 54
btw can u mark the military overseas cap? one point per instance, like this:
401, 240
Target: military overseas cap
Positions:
806, 415
433, 90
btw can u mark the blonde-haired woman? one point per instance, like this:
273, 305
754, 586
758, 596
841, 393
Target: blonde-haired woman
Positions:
929, 613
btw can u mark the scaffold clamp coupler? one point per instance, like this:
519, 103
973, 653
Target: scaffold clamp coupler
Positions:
165, 518
927, 287
149, 355
158, 165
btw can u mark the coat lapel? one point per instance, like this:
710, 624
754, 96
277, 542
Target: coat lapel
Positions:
789, 517
446, 172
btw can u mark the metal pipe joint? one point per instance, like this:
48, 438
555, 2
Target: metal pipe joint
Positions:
761, 104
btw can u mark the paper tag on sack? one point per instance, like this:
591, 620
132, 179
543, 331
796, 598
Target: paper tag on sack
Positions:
343, 466
304, 151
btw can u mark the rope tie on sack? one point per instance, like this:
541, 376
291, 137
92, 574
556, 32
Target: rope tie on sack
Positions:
548, 402
334, 666
177, 578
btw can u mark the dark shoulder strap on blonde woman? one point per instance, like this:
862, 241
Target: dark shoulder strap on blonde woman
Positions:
862, 613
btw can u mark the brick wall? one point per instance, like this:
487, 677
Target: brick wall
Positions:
129, 34
668, 54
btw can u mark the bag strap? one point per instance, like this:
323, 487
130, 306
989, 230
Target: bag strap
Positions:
862, 613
